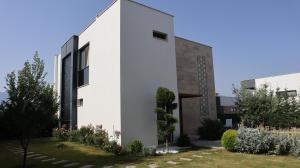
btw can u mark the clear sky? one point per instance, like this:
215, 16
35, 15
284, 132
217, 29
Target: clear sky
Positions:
250, 38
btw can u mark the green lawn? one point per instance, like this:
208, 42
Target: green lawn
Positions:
90, 155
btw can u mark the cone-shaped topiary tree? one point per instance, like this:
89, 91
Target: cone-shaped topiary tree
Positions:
164, 109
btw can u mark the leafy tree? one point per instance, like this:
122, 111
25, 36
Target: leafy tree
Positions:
264, 107
164, 109
31, 104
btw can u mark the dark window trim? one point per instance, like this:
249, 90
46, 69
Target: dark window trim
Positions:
83, 47
87, 67
80, 102
156, 35
286, 92
79, 52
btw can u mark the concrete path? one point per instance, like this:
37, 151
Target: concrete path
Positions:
60, 162
40, 157
172, 162
71, 165
87, 166
153, 166
131, 166
186, 159
49, 160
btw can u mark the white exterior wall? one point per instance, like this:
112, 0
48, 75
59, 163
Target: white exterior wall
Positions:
289, 82
101, 98
146, 64
57, 77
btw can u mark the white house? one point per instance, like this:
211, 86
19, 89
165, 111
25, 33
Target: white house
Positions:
287, 84
110, 72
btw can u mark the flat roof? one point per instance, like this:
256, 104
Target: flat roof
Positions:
114, 1
193, 41
273, 76
150, 8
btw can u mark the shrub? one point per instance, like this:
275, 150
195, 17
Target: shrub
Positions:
73, 136
183, 141
284, 145
149, 151
89, 140
228, 139
101, 136
114, 147
135, 147
210, 129
251, 140
84, 132
60, 134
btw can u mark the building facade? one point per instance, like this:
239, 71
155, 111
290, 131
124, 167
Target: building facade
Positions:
108, 75
196, 85
288, 84
226, 111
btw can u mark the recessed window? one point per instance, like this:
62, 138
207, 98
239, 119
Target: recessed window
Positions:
287, 93
79, 102
160, 35
83, 66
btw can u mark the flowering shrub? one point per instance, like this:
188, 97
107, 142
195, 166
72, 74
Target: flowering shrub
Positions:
60, 134
114, 147
91, 136
284, 145
251, 140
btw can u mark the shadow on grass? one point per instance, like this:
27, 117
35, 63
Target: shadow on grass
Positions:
82, 153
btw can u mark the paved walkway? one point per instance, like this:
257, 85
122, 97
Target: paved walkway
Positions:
67, 163
46, 159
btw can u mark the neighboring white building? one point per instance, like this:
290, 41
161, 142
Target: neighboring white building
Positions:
287, 84
109, 73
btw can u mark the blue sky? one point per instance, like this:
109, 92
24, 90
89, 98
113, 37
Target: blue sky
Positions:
250, 39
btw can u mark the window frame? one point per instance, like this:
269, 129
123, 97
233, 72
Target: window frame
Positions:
80, 68
286, 93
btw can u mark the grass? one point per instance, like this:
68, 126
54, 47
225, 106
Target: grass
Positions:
90, 155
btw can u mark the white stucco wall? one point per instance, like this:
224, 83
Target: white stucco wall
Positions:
101, 98
146, 64
288, 81
57, 77
126, 66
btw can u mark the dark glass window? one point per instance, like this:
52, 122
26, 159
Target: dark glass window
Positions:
287, 93
83, 66
79, 102
160, 35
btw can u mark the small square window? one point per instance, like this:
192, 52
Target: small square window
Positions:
79, 102
160, 35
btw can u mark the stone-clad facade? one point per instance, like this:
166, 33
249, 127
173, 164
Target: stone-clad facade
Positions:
195, 76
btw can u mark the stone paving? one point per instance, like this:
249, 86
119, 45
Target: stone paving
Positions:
131, 166
186, 159
66, 163
153, 166
87, 166
44, 158
172, 162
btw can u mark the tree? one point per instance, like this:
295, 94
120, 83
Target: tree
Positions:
265, 107
164, 109
31, 104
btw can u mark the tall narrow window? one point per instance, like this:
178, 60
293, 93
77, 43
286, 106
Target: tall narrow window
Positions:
83, 66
